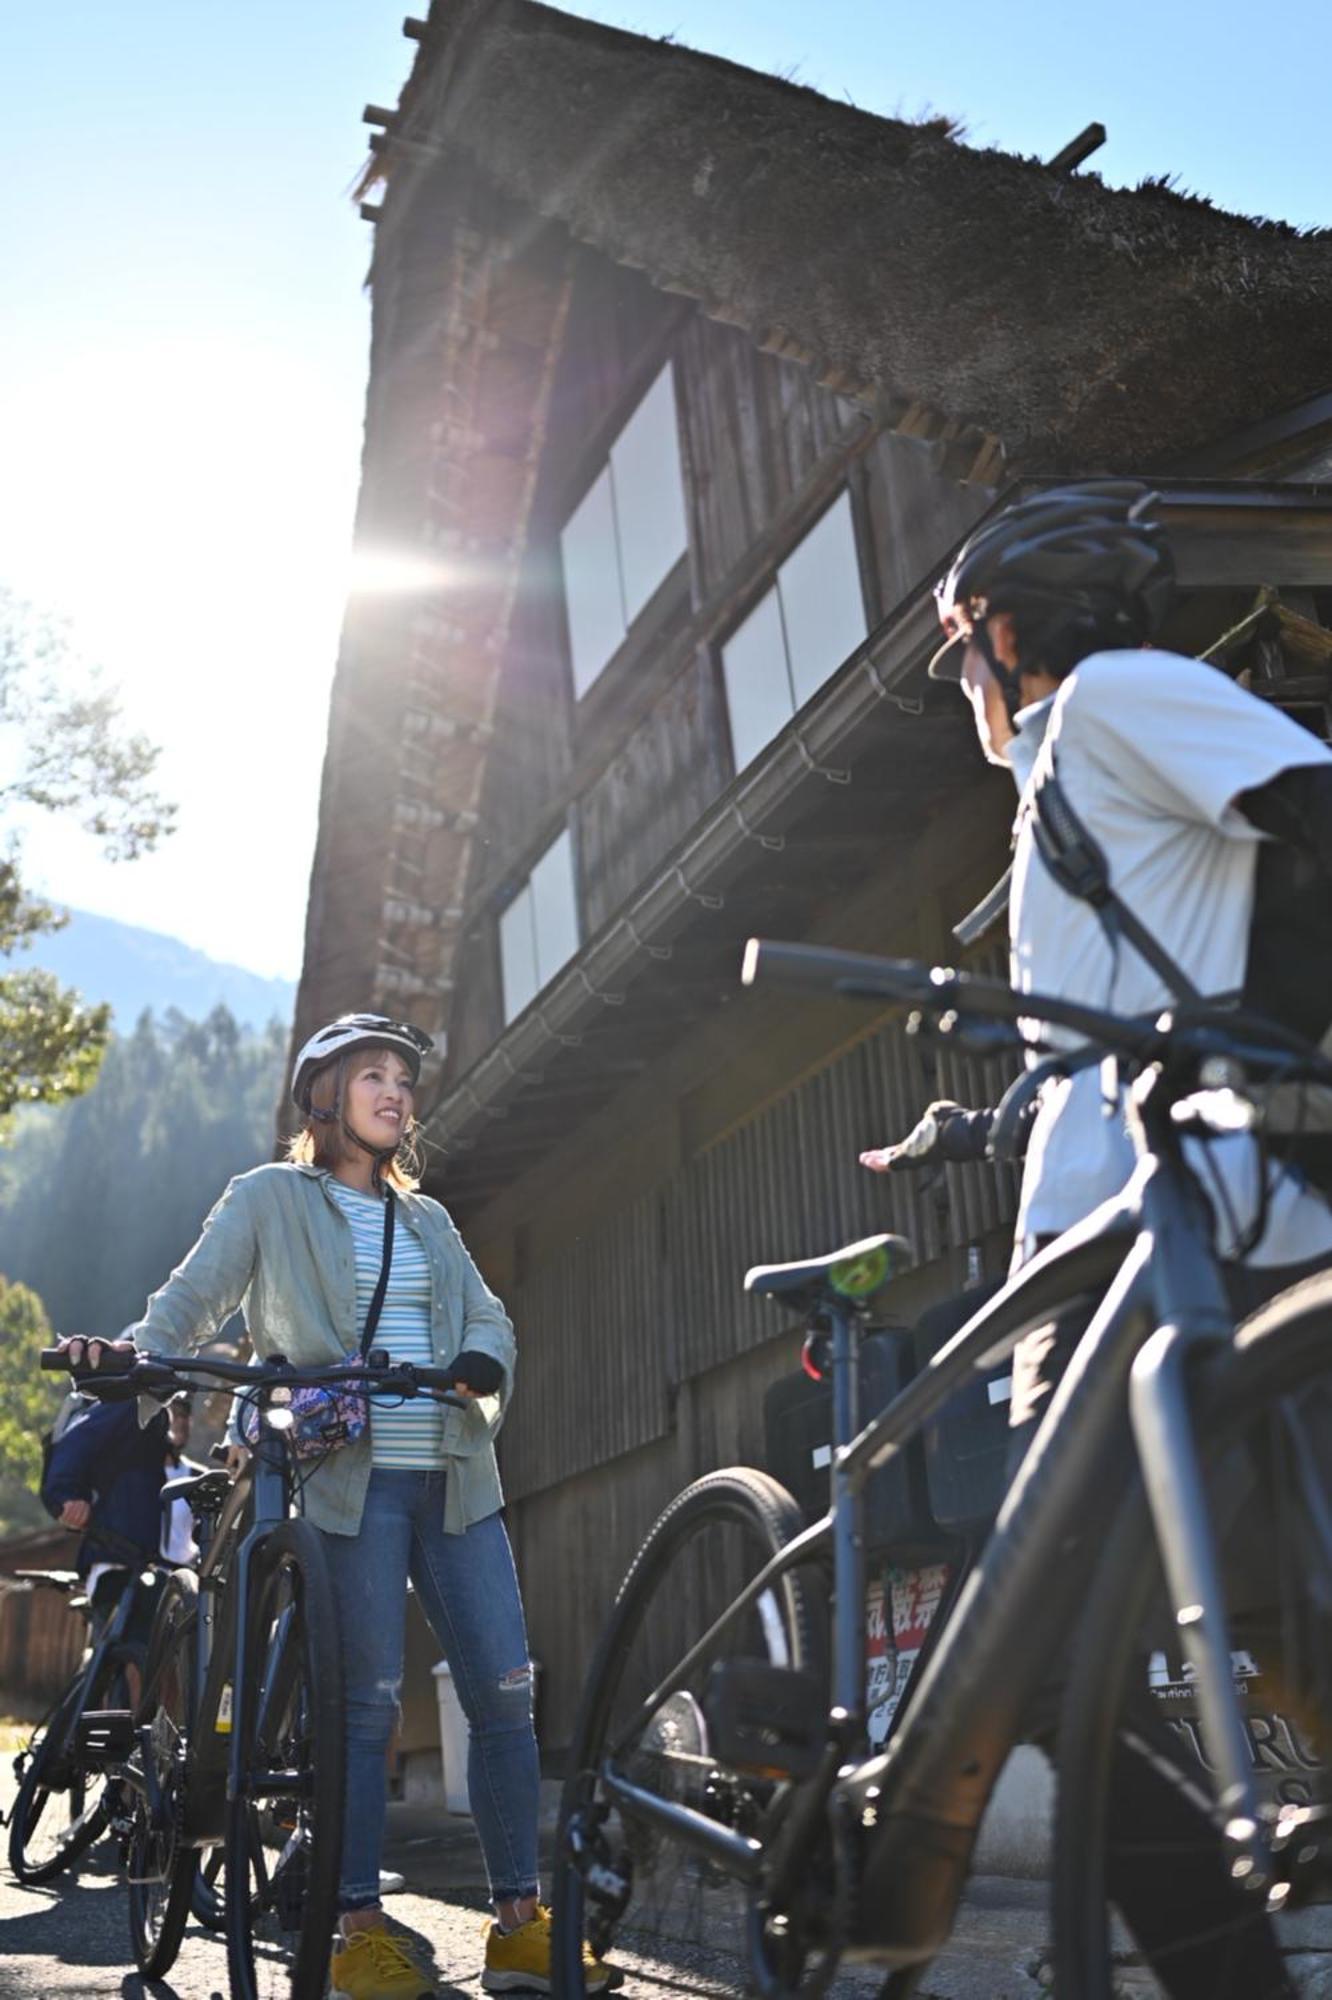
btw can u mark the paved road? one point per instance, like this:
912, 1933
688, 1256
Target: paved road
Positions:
70, 1941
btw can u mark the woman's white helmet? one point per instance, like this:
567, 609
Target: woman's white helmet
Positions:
357, 1031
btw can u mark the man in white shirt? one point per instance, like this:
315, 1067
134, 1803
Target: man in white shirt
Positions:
1178, 775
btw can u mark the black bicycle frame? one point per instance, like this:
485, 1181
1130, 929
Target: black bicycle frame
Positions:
917, 1806
214, 1765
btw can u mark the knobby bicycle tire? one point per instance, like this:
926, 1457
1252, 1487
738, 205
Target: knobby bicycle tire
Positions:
283, 1853
735, 1519
1261, 1401
54, 1782
161, 1870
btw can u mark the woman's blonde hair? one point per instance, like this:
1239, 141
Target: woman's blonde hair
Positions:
323, 1143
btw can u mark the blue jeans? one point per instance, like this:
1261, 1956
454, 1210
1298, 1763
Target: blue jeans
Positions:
468, 1590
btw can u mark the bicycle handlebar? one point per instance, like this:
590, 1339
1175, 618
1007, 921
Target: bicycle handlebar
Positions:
151, 1375
938, 991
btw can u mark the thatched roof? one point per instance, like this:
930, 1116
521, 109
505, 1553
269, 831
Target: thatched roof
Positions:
1083, 326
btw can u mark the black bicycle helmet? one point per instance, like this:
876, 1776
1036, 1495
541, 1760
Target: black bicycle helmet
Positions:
1083, 566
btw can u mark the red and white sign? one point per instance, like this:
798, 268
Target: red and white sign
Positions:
898, 1615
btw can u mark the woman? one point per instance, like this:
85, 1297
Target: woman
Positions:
300, 1246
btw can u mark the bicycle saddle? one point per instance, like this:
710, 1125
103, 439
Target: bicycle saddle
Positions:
844, 1277
205, 1492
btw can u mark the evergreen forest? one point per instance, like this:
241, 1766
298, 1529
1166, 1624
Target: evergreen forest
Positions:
101, 1197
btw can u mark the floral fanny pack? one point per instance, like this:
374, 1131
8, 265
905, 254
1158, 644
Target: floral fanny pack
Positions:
325, 1419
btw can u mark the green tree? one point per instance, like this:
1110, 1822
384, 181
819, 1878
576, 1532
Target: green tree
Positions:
28, 1403
101, 1198
66, 751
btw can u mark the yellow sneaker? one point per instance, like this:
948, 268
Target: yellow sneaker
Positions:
518, 1961
372, 1965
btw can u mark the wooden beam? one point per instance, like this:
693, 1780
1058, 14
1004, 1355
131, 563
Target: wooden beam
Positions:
1089, 140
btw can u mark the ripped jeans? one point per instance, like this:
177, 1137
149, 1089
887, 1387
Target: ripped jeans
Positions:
469, 1592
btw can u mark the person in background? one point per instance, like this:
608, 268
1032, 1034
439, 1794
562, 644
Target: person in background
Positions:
106, 1471
178, 1544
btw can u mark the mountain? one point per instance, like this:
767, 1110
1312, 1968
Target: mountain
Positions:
134, 969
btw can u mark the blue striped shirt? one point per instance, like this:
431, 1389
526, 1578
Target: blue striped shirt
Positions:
404, 1436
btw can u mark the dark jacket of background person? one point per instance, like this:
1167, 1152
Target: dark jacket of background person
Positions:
108, 1460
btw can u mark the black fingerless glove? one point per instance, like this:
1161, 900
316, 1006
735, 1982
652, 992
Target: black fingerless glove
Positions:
480, 1373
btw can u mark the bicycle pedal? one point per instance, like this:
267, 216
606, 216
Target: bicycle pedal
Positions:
105, 1736
771, 1722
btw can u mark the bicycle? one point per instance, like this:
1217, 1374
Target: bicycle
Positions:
61, 1808
722, 1819
237, 1741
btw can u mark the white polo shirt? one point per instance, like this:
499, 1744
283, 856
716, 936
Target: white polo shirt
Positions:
1152, 750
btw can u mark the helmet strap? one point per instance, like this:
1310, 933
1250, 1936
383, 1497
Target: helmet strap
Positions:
381, 1155
1008, 679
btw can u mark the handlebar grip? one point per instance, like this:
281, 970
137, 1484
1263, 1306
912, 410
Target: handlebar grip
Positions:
823, 967
442, 1379
56, 1360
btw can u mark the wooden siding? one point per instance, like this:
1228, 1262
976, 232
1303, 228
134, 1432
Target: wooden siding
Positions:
613, 1325
615, 341
915, 513
757, 428
594, 1368
41, 1641
637, 761
650, 793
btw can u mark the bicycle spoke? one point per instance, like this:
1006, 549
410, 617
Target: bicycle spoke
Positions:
679, 1921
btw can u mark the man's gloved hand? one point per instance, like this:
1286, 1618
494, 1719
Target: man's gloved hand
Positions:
945, 1133
478, 1374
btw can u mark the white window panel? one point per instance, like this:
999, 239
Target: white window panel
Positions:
758, 688
592, 595
518, 962
649, 495
554, 908
823, 607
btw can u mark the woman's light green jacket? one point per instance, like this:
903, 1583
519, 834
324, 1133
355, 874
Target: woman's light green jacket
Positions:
278, 1246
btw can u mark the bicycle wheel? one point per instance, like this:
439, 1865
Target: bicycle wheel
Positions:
622, 1883
284, 1830
160, 1869
60, 1809
1136, 1821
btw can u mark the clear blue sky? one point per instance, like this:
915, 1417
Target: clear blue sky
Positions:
183, 341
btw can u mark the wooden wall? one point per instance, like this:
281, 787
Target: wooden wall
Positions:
636, 761
41, 1641
649, 1297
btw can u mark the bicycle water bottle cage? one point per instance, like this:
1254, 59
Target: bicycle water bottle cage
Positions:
848, 1277
765, 1721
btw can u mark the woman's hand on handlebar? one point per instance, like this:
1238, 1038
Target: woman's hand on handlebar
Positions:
236, 1460
114, 1355
476, 1374
75, 1514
